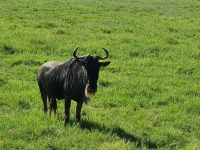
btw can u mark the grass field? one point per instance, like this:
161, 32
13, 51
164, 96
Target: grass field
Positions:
148, 97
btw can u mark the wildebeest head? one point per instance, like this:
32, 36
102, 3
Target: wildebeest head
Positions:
92, 66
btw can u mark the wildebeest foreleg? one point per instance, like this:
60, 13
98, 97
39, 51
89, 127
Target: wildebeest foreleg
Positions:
67, 110
78, 110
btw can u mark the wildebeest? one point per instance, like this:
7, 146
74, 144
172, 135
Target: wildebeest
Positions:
75, 79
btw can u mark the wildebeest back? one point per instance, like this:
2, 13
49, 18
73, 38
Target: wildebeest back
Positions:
60, 80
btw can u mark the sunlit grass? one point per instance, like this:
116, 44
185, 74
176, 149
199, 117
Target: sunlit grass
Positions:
148, 97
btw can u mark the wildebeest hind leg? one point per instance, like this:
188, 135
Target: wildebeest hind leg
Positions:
44, 99
43, 96
50, 104
67, 110
53, 104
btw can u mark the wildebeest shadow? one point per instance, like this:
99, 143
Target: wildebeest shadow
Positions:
128, 137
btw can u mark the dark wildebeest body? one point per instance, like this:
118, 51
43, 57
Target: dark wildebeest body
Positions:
75, 79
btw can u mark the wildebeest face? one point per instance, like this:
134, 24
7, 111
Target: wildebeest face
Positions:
92, 66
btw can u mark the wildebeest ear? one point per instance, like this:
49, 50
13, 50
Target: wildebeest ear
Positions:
104, 64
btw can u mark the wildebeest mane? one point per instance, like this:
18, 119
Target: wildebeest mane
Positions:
63, 76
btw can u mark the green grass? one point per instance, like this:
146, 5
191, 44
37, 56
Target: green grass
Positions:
148, 97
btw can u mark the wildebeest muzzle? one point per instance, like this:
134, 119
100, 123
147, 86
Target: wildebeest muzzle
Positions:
92, 88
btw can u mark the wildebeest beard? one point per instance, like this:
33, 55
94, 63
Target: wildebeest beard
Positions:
88, 95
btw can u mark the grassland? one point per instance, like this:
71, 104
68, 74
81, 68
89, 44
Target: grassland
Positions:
148, 97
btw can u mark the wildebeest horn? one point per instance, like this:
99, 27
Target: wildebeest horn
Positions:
74, 53
98, 57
